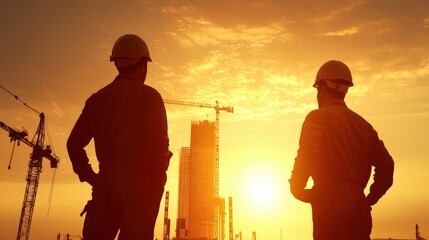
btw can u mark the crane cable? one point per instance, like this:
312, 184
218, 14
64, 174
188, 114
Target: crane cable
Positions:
25, 104
17, 98
51, 191
11, 155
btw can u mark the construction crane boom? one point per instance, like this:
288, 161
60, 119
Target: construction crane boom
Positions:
21, 136
201, 105
40, 151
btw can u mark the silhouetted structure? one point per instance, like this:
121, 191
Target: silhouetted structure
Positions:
220, 211
166, 235
68, 237
219, 202
197, 206
418, 237
182, 210
201, 214
231, 219
40, 151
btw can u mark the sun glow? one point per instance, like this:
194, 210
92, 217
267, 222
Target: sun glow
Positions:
262, 187
261, 190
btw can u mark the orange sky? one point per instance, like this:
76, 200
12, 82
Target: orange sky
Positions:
260, 57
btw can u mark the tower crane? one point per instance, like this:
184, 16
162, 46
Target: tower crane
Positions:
40, 151
217, 108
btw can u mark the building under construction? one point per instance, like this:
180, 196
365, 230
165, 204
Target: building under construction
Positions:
198, 213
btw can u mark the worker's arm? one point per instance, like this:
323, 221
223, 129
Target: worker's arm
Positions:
80, 136
383, 173
157, 120
164, 134
309, 147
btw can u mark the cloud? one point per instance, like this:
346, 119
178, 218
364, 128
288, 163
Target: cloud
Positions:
236, 66
198, 32
426, 23
331, 13
178, 10
345, 32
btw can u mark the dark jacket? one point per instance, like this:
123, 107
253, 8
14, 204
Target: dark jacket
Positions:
337, 146
128, 123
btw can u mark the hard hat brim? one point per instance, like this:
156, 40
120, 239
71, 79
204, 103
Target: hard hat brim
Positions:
338, 86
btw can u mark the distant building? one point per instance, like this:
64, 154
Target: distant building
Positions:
182, 210
197, 206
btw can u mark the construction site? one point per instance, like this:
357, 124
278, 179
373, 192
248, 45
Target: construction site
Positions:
221, 110
201, 213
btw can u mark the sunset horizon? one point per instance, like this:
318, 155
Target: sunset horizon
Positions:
259, 57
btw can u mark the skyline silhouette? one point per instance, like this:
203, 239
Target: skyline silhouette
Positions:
258, 56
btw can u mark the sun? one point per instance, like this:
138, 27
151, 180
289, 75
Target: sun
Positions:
261, 185
261, 190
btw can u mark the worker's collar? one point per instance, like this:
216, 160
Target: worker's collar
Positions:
126, 76
334, 101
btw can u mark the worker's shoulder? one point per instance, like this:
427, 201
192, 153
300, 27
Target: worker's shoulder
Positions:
313, 115
335, 111
131, 86
357, 116
150, 89
96, 94
317, 112
150, 94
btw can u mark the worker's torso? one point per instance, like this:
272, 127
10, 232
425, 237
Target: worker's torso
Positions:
346, 148
129, 124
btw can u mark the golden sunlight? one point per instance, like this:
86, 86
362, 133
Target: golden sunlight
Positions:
260, 190
261, 185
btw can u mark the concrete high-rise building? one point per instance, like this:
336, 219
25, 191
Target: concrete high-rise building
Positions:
197, 184
201, 211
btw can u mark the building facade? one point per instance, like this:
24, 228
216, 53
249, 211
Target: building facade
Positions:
197, 184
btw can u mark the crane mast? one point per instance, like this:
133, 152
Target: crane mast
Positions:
40, 151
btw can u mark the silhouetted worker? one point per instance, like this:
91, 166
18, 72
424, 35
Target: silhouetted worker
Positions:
127, 120
337, 149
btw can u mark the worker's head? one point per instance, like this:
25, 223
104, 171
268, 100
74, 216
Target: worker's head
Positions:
332, 81
129, 53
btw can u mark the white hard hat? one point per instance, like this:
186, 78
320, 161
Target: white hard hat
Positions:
336, 74
128, 50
